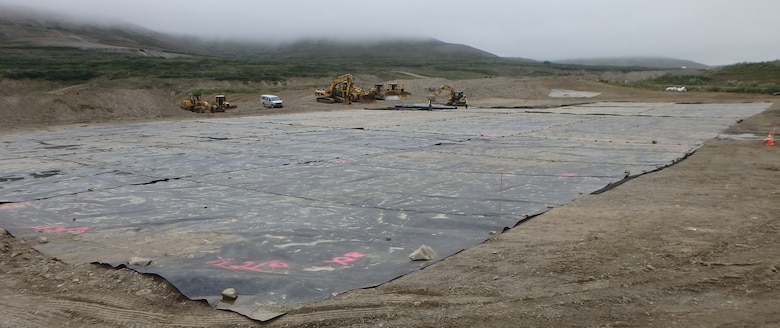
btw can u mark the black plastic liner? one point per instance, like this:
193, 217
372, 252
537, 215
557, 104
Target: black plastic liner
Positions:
294, 208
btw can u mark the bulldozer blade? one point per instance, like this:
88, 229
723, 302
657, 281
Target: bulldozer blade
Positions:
402, 94
367, 98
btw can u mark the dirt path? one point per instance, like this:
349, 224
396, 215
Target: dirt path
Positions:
693, 245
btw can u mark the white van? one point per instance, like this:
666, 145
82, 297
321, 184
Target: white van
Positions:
271, 101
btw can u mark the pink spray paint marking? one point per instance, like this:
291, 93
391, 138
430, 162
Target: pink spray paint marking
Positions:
266, 267
276, 266
346, 259
11, 206
59, 229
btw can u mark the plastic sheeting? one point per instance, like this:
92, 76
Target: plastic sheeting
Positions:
294, 208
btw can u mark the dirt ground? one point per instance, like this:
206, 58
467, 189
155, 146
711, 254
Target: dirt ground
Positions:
693, 245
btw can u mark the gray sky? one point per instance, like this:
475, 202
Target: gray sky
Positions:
712, 32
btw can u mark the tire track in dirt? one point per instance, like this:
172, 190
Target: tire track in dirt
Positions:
372, 307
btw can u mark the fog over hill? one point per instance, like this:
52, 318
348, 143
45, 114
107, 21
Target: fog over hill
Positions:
652, 62
20, 28
28, 28
384, 48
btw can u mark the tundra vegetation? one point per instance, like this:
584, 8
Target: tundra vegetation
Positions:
73, 66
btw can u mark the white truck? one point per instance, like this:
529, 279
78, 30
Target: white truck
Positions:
271, 101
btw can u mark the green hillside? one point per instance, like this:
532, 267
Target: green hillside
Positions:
763, 78
47, 48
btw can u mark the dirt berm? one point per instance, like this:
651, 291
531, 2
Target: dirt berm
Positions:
692, 245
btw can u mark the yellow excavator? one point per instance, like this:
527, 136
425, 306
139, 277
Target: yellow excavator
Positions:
457, 97
195, 103
342, 89
393, 89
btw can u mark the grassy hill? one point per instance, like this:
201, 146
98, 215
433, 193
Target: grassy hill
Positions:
763, 78
38, 46
21, 28
650, 62
379, 49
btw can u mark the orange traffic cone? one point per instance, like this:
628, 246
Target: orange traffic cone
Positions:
770, 138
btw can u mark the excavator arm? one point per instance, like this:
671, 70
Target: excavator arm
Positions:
443, 87
337, 90
342, 89
457, 97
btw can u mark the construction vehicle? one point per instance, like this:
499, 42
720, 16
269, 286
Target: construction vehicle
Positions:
393, 90
457, 97
342, 89
221, 104
195, 103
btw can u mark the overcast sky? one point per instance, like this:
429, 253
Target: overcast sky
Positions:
712, 32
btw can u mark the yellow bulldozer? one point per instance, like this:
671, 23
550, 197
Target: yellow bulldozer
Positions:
195, 103
342, 89
381, 92
221, 104
457, 97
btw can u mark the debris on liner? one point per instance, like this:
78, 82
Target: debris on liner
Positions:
423, 253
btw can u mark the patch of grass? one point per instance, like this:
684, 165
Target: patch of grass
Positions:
75, 66
71, 65
687, 80
762, 72
744, 87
